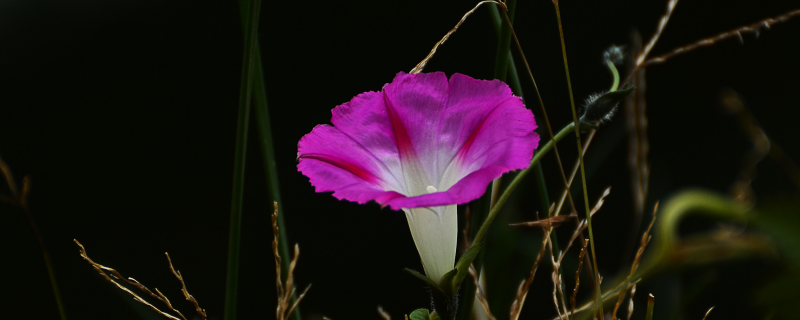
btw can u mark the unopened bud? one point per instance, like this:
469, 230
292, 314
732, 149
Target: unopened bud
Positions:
602, 106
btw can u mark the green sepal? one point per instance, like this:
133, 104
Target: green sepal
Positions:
462, 267
423, 314
586, 126
428, 281
420, 314
448, 281
603, 106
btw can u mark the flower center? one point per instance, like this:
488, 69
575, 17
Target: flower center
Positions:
431, 189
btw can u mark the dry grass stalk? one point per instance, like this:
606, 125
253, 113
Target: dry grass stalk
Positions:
551, 222
557, 283
707, 312
186, 294
384, 315
132, 282
630, 302
479, 293
522, 291
635, 265
421, 65
12, 185
754, 28
557, 264
17, 198
660, 29
565, 193
573, 300
762, 145
638, 144
285, 291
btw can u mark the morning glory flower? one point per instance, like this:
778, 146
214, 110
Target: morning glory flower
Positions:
422, 145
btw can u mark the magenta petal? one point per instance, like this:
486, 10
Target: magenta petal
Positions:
421, 130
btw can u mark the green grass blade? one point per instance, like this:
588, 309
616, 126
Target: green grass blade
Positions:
245, 93
270, 170
503, 43
263, 123
516, 87
580, 159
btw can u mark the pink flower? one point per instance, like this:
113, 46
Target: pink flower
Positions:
423, 145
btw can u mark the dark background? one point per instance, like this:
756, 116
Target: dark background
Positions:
123, 113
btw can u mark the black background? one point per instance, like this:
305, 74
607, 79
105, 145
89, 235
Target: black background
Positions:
124, 115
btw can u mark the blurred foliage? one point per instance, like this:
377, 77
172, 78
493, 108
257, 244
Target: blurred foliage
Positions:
780, 219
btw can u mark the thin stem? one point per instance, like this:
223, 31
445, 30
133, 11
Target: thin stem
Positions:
516, 87
580, 158
507, 193
615, 73
541, 103
46, 255
21, 200
234, 238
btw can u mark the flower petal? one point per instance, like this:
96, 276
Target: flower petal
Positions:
484, 132
421, 134
335, 161
415, 103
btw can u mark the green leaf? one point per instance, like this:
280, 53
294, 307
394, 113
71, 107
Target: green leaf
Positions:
245, 96
420, 314
425, 279
780, 219
462, 266
435, 316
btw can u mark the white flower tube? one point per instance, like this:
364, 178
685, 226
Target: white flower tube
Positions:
435, 233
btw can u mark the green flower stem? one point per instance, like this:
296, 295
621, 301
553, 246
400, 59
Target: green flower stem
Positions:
580, 159
478, 240
614, 73
507, 193
234, 237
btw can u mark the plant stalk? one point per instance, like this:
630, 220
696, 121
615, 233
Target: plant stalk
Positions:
580, 157
234, 236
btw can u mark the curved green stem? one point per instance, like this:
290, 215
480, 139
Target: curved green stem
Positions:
614, 73
663, 252
507, 193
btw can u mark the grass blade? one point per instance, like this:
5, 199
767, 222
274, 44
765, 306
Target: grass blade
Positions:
263, 125
245, 93
580, 158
